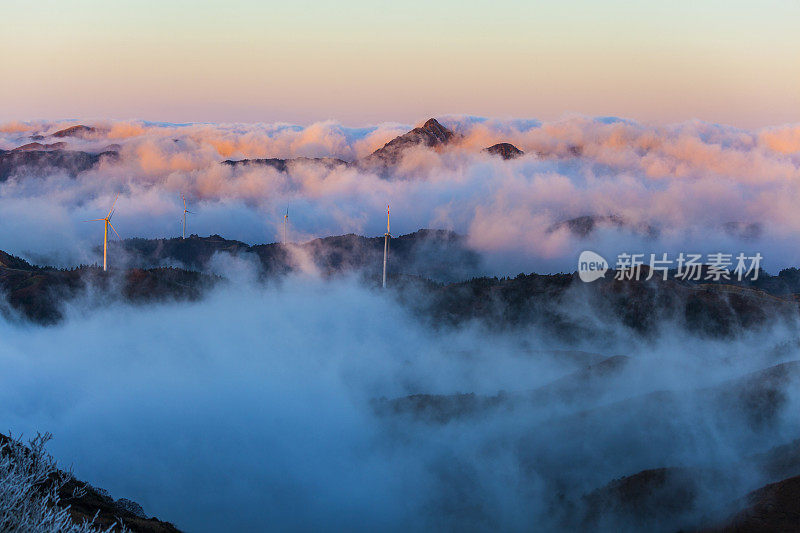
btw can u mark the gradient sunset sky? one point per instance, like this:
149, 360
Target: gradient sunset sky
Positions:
359, 61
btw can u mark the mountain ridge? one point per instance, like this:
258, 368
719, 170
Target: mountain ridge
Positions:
39, 157
432, 135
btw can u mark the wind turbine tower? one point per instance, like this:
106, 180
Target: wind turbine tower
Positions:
285, 224
386, 237
184, 215
108, 223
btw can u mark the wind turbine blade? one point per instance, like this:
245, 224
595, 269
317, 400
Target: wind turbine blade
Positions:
112, 206
94, 219
115, 231
112, 214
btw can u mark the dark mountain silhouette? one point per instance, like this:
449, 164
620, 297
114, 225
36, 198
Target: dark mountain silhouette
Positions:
79, 131
642, 307
39, 162
38, 293
505, 150
39, 146
431, 261
575, 389
94, 505
757, 397
143, 269
9, 261
779, 462
650, 496
430, 135
584, 226
98, 505
283, 164
436, 254
642, 501
774, 507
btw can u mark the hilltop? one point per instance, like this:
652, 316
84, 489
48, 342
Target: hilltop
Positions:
30, 158
436, 254
431, 135
40, 157
435, 263
38, 293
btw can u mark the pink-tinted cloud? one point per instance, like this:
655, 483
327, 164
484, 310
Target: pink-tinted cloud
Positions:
688, 185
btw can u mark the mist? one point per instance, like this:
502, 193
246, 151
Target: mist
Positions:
311, 400
270, 406
693, 187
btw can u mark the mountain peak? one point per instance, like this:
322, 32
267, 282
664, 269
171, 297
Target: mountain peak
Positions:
76, 131
439, 132
39, 146
431, 134
13, 262
505, 150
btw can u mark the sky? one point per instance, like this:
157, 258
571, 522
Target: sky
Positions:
359, 61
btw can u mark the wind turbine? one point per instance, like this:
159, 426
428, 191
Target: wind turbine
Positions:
184, 215
108, 223
285, 223
386, 237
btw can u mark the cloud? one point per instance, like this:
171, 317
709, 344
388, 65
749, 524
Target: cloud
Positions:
16, 127
688, 182
253, 409
784, 140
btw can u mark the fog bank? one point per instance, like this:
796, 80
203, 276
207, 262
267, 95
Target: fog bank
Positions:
254, 408
691, 187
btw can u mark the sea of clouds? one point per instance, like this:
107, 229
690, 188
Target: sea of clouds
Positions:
691, 187
253, 410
